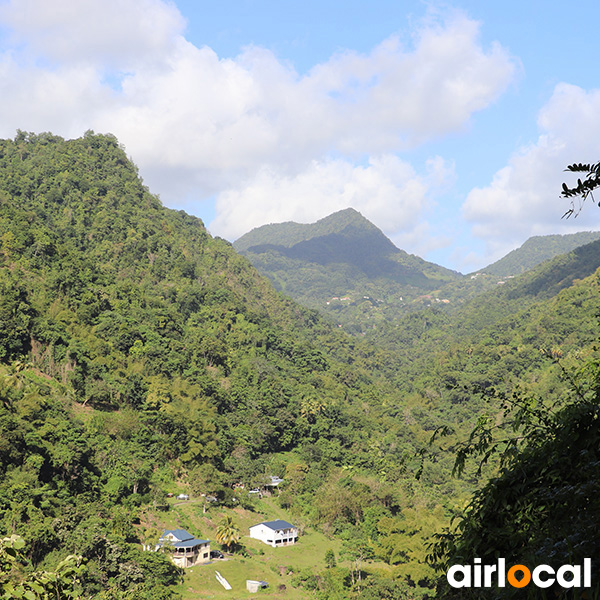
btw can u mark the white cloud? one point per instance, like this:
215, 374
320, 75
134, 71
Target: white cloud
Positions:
396, 97
386, 191
238, 128
523, 198
108, 33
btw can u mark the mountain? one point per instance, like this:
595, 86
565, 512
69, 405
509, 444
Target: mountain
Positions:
347, 239
346, 268
499, 337
342, 264
102, 286
138, 355
537, 250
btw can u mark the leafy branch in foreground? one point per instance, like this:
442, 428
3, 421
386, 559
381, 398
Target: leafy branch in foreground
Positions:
516, 419
584, 188
544, 506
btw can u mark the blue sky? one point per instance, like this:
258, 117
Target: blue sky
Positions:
447, 124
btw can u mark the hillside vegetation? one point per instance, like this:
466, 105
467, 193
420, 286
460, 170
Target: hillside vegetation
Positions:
342, 266
140, 357
347, 269
537, 250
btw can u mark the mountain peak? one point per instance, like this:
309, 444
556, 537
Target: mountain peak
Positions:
346, 215
343, 254
290, 233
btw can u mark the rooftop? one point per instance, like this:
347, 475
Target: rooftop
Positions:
275, 525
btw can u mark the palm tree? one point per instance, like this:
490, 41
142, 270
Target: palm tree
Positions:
228, 533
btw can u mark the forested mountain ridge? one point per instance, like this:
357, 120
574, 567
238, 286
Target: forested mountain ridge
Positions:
103, 284
289, 233
164, 350
511, 295
346, 268
139, 354
340, 263
537, 250
501, 332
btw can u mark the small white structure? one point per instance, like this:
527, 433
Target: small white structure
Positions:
222, 580
253, 586
275, 533
274, 481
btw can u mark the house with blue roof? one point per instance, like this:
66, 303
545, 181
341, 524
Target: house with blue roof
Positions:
187, 550
275, 533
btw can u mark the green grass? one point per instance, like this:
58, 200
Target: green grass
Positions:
277, 566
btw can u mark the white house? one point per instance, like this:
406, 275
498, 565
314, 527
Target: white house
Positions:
187, 550
275, 533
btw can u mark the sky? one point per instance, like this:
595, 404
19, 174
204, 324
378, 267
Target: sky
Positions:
447, 124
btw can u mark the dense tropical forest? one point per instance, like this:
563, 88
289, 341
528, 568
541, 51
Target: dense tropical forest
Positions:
141, 357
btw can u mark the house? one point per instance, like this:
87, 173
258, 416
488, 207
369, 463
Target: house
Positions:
275, 533
187, 550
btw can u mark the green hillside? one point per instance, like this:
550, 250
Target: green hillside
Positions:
537, 250
343, 266
141, 358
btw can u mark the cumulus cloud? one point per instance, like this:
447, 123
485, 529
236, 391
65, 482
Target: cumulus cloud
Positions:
250, 131
396, 97
523, 198
387, 191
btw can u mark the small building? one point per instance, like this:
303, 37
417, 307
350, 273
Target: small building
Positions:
275, 533
253, 586
187, 550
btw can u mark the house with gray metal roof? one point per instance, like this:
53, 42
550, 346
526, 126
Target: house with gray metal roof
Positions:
187, 550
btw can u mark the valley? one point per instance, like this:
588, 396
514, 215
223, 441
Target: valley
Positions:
141, 358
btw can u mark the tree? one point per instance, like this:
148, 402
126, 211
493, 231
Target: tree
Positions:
584, 188
330, 559
228, 533
63, 582
544, 506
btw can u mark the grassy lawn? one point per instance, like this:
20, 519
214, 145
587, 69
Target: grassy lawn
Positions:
277, 566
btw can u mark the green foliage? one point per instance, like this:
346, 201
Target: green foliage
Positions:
139, 356
15, 582
228, 533
330, 559
544, 506
15, 318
